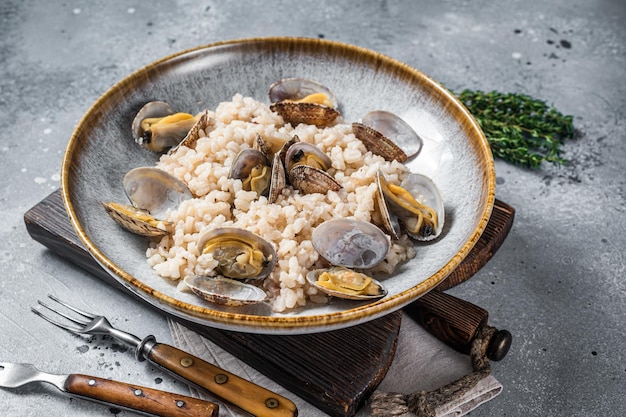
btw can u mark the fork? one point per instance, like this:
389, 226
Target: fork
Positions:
246, 395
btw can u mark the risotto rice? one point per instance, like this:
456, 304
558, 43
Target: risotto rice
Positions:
288, 223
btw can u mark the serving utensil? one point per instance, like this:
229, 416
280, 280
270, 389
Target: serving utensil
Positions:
246, 395
120, 394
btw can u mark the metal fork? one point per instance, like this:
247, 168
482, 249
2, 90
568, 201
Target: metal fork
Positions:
92, 324
257, 400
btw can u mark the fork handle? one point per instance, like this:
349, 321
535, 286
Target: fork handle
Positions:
246, 395
137, 398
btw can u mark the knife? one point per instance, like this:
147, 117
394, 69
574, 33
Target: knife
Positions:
130, 397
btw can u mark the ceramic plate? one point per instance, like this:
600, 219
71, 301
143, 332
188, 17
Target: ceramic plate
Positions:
455, 155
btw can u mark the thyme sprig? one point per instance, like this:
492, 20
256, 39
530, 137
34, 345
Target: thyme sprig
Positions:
520, 129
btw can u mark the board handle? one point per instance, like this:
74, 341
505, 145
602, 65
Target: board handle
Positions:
457, 322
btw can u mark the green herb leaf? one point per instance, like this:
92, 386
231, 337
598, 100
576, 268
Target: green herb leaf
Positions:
520, 129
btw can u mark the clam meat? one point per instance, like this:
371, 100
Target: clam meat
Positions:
417, 203
240, 254
254, 169
158, 127
224, 291
346, 283
303, 153
350, 243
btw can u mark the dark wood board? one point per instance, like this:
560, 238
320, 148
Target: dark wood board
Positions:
362, 353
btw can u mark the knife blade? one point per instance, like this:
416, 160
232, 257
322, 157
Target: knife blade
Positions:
130, 397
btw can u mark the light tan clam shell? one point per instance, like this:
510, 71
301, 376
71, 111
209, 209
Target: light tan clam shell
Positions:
137, 221
225, 291
345, 283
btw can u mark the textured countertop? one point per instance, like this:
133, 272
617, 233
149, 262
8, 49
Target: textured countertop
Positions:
558, 282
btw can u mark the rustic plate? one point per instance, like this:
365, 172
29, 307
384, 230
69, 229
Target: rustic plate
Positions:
455, 154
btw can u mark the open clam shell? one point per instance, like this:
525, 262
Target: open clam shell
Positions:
254, 169
240, 253
224, 291
137, 221
158, 128
345, 283
351, 243
396, 129
155, 191
304, 153
297, 89
424, 190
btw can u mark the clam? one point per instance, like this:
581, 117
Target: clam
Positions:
301, 89
137, 221
224, 291
417, 203
346, 283
350, 243
394, 129
310, 180
306, 167
154, 190
204, 122
254, 170
378, 143
298, 100
278, 180
152, 193
157, 127
303, 153
240, 254
307, 113
386, 220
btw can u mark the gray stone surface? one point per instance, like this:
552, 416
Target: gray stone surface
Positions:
558, 281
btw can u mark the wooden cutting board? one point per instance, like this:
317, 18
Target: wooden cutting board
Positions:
361, 354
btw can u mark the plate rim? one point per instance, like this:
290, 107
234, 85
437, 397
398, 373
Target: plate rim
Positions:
287, 323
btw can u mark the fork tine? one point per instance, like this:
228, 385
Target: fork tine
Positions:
74, 309
56, 323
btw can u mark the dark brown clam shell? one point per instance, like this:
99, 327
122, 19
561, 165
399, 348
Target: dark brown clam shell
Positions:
378, 143
309, 180
307, 113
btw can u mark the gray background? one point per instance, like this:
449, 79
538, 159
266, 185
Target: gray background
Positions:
558, 281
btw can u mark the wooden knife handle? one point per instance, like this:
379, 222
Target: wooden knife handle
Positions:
456, 322
246, 395
137, 398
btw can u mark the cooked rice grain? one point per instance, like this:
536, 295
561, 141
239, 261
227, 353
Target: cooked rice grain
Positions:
288, 223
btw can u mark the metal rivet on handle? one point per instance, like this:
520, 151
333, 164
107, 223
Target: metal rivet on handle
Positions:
92, 382
138, 392
186, 362
180, 403
271, 403
221, 379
